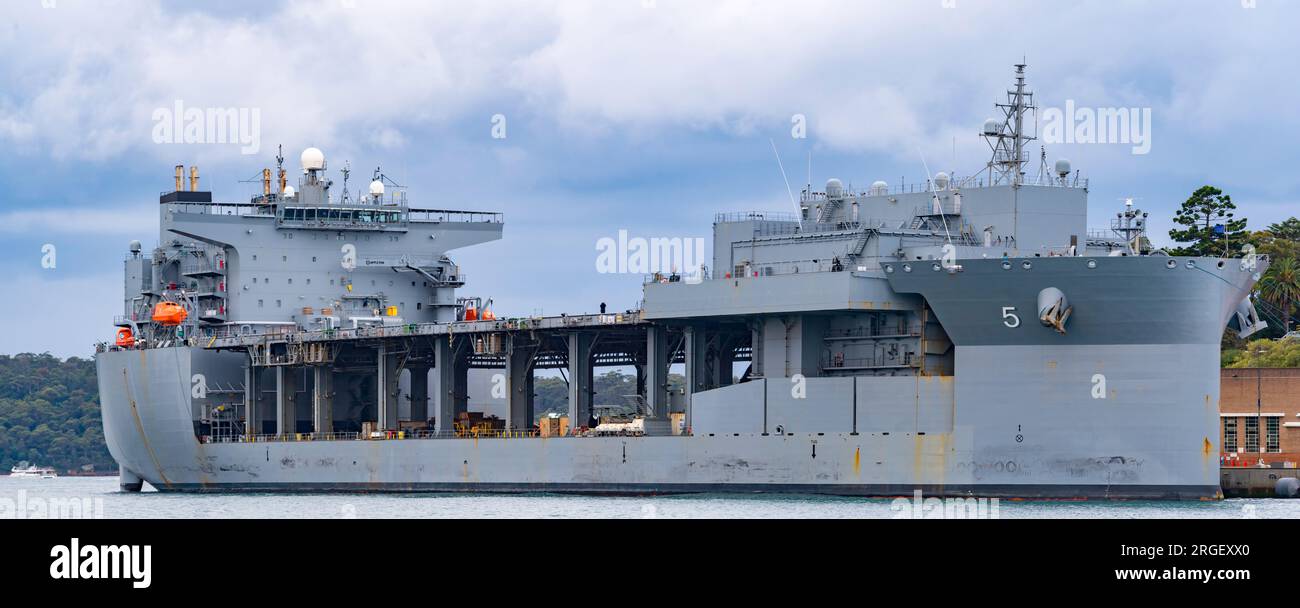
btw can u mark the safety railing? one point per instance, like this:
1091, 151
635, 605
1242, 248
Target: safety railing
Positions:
391, 435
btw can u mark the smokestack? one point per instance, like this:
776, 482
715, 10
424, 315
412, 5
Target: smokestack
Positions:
266, 182
194, 178
180, 174
283, 181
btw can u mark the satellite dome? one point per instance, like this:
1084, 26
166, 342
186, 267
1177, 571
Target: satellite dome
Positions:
376, 188
288, 191
313, 159
992, 126
1062, 167
879, 188
834, 188
941, 180
135, 246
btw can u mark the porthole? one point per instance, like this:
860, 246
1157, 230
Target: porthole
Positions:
1026, 265
1171, 264
1092, 263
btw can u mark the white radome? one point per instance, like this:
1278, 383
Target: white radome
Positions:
313, 159
879, 188
941, 180
376, 188
992, 126
1062, 167
834, 188
288, 191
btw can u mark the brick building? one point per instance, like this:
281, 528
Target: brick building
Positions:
1259, 416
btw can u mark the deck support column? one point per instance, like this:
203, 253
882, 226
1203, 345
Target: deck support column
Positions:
419, 392
386, 387
286, 415
252, 390
322, 400
443, 399
519, 383
655, 380
726, 359
580, 379
697, 348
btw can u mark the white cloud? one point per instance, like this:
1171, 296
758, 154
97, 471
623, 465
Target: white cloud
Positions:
870, 76
81, 221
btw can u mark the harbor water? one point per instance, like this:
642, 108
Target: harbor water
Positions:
100, 497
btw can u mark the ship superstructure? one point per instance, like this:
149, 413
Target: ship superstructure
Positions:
962, 336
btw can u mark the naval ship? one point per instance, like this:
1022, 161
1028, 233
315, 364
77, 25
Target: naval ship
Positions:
964, 336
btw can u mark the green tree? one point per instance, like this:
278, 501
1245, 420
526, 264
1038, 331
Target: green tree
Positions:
1266, 353
1280, 287
1205, 209
1281, 240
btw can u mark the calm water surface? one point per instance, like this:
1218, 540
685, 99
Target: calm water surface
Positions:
149, 504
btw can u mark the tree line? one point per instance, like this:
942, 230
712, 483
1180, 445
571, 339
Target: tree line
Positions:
49, 414
1208, 226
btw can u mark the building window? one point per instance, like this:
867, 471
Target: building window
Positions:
1252, 434
1272, 442
1230, 434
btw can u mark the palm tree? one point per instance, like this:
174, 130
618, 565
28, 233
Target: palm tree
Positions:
1280, 287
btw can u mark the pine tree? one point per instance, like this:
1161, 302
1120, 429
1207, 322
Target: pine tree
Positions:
1201, 214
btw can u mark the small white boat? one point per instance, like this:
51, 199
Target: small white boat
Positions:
24, 469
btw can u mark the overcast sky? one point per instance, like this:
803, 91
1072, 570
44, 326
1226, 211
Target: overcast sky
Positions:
640, 115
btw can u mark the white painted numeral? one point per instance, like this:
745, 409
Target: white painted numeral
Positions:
1009, 317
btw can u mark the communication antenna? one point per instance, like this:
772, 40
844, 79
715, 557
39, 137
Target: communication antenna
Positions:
934, 196
1006, 137
1131, 223
347, 169
798, 213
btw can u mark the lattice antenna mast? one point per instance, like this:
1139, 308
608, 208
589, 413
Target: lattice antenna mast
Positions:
1007, 138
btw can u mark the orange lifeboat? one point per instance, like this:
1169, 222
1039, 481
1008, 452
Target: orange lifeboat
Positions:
488, 315
169, 314
471, 313
124, 337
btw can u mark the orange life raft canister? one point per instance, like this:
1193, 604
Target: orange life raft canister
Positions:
169, 313
124, 337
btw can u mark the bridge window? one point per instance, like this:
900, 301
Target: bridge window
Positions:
1252, 434
1272, 442
1230, 434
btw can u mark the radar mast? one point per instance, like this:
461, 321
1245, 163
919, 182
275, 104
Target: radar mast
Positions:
1007, 138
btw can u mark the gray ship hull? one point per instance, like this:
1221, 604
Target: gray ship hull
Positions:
1019, 420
